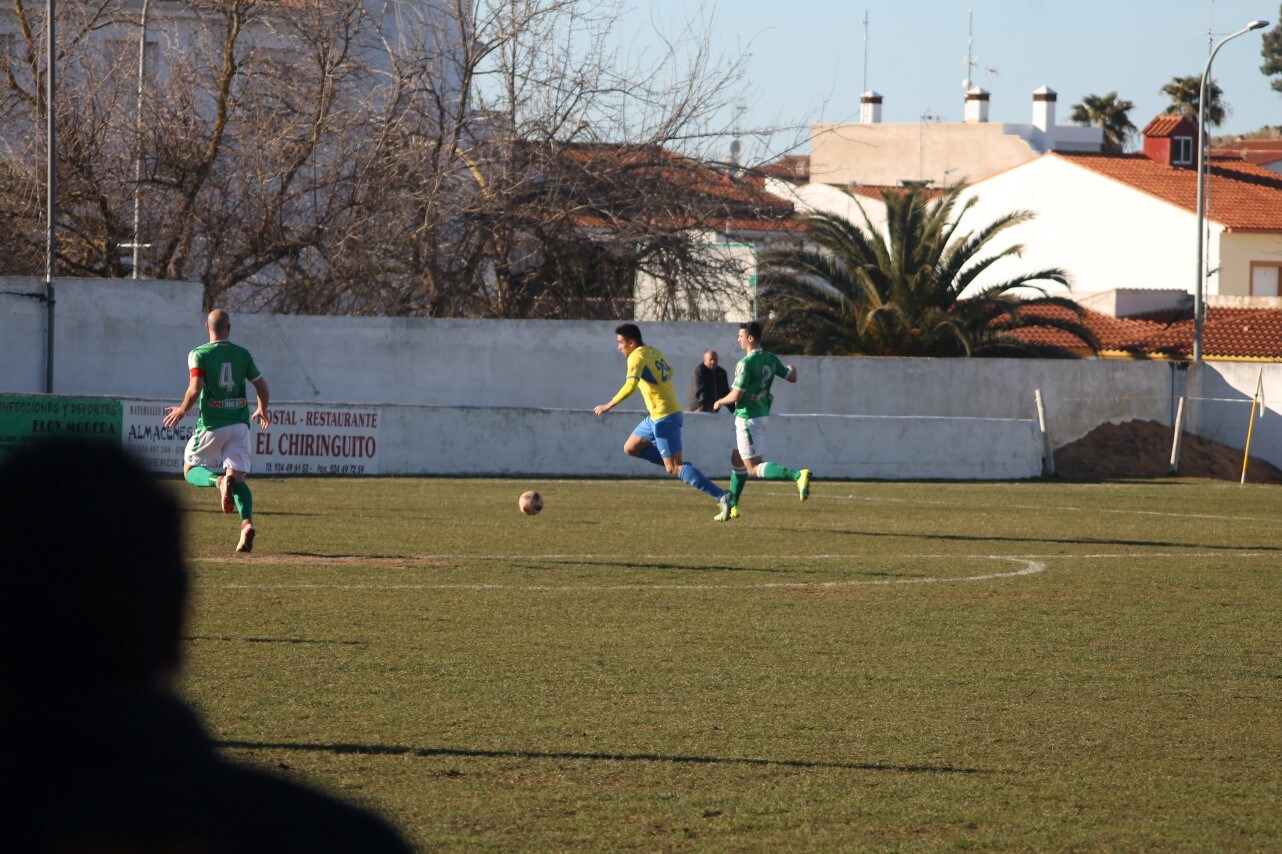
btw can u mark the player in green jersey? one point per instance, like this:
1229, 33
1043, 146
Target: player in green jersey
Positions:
751, 396
218, 452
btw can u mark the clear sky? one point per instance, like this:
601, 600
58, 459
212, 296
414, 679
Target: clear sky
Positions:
808, 56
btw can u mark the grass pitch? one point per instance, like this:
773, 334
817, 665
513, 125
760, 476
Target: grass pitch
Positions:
1010, 665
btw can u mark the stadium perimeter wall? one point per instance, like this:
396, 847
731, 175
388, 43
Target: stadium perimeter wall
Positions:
500, 441
130, 339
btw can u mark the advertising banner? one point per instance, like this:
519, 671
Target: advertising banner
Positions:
302, 439
27, 418
318, 440
147, 437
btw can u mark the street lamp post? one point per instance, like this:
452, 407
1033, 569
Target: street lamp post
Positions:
138, 128
1199, 306
51, 181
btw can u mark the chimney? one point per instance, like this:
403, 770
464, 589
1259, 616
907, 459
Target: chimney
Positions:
976, 105
870, 108
1044, 109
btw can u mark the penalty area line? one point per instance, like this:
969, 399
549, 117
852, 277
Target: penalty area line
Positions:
1031, 567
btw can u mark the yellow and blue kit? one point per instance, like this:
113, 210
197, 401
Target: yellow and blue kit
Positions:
648, 371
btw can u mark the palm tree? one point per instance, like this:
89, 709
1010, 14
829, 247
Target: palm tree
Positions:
1184, 93
1271, 50
898, 293
1107, 112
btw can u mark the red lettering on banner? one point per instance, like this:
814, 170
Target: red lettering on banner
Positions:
320, 445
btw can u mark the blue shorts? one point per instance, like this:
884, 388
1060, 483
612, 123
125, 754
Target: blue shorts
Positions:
664, 434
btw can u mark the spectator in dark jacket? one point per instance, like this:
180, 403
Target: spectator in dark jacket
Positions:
709, 383
97, 752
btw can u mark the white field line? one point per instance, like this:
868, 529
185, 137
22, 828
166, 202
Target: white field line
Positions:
776, 490
1031, 567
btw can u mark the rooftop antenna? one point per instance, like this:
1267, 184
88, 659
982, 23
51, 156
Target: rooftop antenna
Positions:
865, 23
736, 144
927, 116
971, 63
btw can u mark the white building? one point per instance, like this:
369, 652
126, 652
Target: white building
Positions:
1130, 221
872, 153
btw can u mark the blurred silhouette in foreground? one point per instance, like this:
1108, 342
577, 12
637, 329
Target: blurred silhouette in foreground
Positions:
97, 753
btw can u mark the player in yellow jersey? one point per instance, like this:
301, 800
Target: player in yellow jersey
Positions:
657, 438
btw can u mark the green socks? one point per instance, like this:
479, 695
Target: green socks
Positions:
738, 480
201, 476
244, 500
773, 471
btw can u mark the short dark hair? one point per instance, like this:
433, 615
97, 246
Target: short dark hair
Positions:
93, 586
629, 331
753, 328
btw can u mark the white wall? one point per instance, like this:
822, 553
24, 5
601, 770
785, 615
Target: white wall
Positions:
111, 336
573, 442
130, 339
885, 154
811, 197
1219, 407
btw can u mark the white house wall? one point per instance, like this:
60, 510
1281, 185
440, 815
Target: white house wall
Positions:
885, 154
1239, 250
825, 198
1105, 234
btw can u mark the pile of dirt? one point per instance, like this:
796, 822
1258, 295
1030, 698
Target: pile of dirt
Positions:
1143, 449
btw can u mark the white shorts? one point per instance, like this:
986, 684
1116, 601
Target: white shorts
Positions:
750, 437
220, 448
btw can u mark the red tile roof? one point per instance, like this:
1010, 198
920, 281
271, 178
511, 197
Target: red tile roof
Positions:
874, 191
1257, 151
1232, 333
790, 167
1113, 333
1228, 333
1253, 144
1242, 197
703, 195
1167, 125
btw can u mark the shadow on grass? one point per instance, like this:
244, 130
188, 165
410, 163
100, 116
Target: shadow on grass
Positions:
681, 567
348, 557
225, 639
1073, 541
218, 511
393, 750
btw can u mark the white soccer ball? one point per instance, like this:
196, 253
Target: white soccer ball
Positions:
530, 503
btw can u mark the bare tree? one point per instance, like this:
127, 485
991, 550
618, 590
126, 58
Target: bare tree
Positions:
495, 158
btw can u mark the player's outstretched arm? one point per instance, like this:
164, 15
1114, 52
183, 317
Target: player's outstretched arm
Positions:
174, 414
733, 397
792, 374
260, 386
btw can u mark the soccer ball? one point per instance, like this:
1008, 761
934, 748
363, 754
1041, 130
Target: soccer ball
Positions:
530, 503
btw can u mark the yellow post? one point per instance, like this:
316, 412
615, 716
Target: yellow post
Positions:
1250, 426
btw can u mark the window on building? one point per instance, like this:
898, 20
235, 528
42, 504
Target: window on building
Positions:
1265, 278
125, 51
1182, 150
